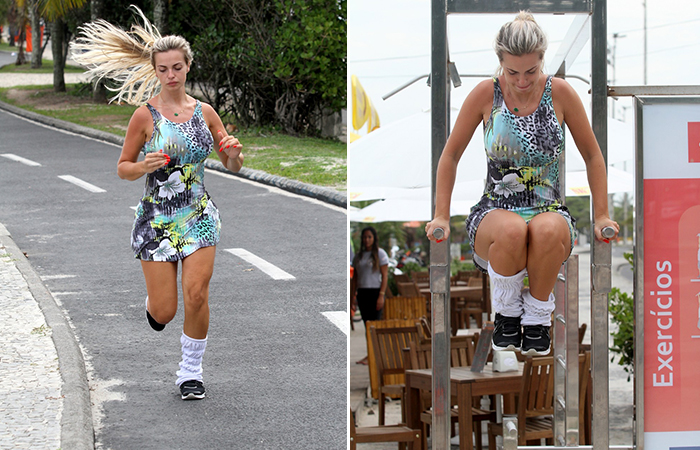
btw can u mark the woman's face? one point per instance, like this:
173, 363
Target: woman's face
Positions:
171, 69
522, 72
367, 240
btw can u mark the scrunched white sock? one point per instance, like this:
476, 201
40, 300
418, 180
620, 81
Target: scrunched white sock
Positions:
537, 312
506, 294
191, 364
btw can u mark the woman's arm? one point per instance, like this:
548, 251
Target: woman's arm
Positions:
229, 148
470, 115
382, 289
128, 167
574, 115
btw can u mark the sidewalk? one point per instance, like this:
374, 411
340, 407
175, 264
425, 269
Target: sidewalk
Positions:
47, 403
621, 391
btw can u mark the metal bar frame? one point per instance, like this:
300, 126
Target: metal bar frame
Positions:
639, 280
601, 254
639, 378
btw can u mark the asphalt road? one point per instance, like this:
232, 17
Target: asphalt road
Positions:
275, 366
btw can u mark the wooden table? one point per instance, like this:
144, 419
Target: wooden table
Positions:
457, 292
465, 384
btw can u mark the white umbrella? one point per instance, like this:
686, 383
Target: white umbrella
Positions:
618, 181
397, 157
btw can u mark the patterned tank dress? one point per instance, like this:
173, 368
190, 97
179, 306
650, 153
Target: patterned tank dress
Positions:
522, 156
176, 216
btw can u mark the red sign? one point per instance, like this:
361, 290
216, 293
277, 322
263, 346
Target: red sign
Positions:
694, 142
672, 304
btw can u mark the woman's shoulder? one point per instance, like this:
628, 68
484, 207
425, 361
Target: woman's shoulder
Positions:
142, 115
561, 88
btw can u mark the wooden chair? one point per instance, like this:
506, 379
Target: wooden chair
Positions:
405, 308
461, 355
421, 277
383, 433
408, 289
388, 344
402, 278
536, 401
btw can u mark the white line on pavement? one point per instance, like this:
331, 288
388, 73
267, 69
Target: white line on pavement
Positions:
26, 161
340, 319
56, 277
275, 272
80, 183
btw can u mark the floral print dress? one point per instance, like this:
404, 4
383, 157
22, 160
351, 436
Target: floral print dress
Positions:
522, 155
176, 216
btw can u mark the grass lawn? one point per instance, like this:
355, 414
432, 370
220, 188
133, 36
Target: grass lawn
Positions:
316, 161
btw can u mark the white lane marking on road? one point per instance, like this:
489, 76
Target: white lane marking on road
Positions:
56, 277
340, 319
80, 183
19, 159
273, 271
276, 190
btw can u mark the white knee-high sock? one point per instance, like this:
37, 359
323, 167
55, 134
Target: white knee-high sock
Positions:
506, 294
537, 312
191, 364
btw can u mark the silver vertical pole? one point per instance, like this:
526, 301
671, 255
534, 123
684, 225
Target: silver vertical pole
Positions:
440, 318
600, 252
439, 253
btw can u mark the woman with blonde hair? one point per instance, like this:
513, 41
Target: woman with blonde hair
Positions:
176, 219
520, 227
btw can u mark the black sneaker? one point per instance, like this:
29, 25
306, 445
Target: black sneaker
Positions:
192, 390
506, 333
535, 340
151, 321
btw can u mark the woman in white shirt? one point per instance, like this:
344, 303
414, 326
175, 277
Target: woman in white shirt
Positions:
371, 266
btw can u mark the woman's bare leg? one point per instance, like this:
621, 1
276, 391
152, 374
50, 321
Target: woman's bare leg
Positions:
549, 246
197, 270
161, 284
502, 239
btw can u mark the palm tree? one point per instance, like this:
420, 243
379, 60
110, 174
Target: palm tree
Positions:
54, 11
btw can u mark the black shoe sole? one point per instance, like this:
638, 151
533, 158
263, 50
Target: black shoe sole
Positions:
152, 322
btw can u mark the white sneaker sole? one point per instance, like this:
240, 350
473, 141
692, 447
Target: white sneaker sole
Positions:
533, 352
193, 396
509, 347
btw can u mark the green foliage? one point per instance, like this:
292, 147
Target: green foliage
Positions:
621, 307
279, 62
580, 209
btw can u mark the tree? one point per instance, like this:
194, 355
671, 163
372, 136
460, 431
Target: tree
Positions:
273, 62
99, 91
55, 11
160, 16
580, 209
35, 18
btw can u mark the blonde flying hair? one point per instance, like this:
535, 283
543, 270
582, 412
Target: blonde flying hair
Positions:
127, 57
520, 37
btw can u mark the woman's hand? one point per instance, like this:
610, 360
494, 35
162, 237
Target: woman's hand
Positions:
436, 223
229, 145
380, 302
155, 160
603, 222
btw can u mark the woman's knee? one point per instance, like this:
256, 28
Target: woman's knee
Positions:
162, 310
549, 231
512, 235
196, 294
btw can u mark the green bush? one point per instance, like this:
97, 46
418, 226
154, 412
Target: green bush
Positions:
621, 307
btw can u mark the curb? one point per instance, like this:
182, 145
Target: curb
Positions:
309, 190
76, 419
